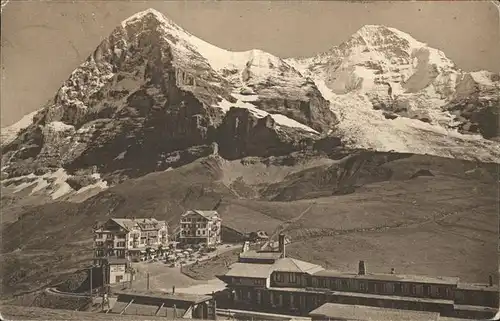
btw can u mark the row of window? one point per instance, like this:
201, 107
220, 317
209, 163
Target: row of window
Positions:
110, 236
248, 281
382, 287
193, 219
134, 244
285, 277
198, 232
102, 253
354, 285
191, 226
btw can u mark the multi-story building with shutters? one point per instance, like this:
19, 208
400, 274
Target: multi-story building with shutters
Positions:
200, 227
268, 281
129, 238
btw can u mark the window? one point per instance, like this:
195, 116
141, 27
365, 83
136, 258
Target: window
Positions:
203, 232
427, 290
406, 289
362, 286
324, 283
314, 301
345, 284
259, 297
257, 282
236, 280
413, 289
292, 278
389, 288
280, 299
278, 277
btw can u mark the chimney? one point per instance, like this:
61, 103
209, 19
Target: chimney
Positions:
173, 289
362, 268
491, 280
282, 245
246, 247
393, 271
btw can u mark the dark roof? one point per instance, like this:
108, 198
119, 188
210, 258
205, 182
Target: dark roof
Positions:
185, 297
115, 260
142, 223
389, 277
474, 308
478, 287
205, 214
358, 312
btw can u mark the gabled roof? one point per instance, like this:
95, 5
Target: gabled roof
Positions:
250, 270
141, 223
296, 266
390, 277
205, 214
358, 312
125, 223
260, 255
184, 297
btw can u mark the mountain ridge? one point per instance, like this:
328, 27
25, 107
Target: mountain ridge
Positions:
148, 126
152, 88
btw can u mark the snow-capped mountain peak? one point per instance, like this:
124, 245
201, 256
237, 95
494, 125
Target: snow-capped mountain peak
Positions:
157, 89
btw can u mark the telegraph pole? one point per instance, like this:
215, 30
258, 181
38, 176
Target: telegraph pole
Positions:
103, 267
148, 281
90, 278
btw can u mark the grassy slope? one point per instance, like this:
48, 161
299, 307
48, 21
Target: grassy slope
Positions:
396, 212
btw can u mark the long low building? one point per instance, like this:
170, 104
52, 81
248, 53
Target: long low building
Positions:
342, 312
272, 282
170, 305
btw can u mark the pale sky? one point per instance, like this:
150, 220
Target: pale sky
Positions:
43, 42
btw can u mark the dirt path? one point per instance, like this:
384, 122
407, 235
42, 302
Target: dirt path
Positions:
282, 227
306, 234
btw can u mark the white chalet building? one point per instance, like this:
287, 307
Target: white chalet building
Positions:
129, 238
200, 227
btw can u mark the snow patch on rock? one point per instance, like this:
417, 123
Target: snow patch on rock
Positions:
281, 120
9, 133
100, 184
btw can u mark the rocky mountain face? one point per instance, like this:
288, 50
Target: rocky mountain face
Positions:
401, 87
153, 97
